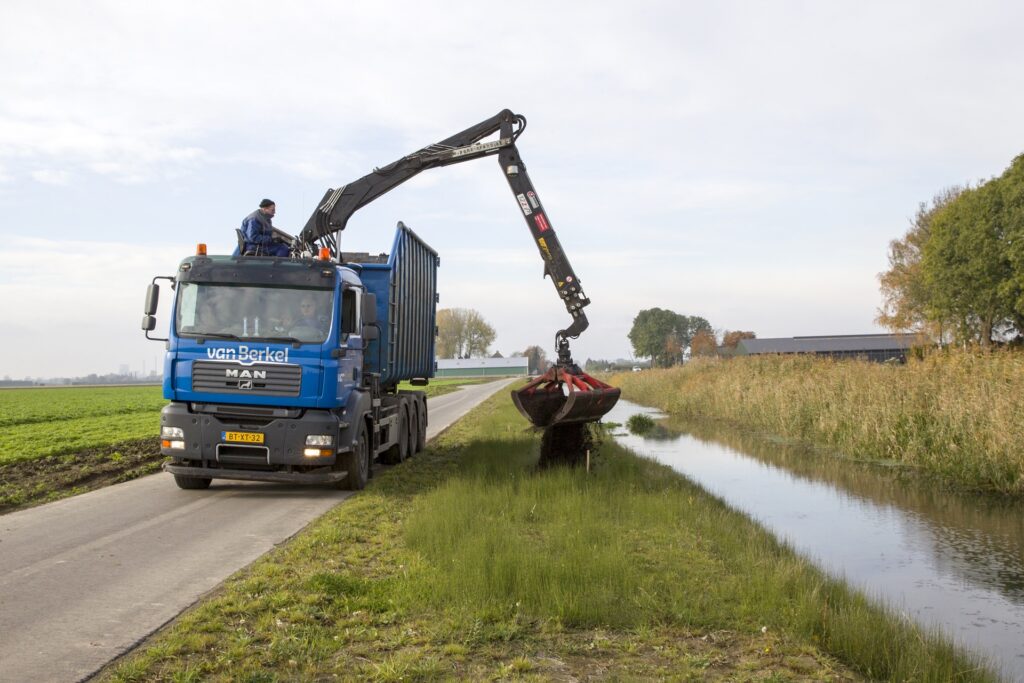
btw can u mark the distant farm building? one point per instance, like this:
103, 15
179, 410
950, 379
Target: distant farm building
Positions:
875, 347
482, 367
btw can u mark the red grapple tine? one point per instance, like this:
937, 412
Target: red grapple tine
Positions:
561, 397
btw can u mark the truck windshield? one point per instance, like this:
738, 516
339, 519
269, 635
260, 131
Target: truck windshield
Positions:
247, 312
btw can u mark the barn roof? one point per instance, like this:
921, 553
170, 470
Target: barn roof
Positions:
829, 344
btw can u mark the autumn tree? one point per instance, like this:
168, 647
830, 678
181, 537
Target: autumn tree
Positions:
462, 333
732, 339
674, 349
907, 303
703, 344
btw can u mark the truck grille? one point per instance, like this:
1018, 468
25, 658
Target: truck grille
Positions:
254, 380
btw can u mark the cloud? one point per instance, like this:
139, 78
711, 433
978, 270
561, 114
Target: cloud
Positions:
49, 176
727, 83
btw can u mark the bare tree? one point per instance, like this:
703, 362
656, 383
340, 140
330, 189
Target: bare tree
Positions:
462, 333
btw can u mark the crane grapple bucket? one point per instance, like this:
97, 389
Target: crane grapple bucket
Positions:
564, 396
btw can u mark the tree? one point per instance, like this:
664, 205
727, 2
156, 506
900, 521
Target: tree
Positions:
462, 333
1012, 190
674, 349
661, 334
967, 270
732, 339
907, 302
651, 330
703, 344
537, 360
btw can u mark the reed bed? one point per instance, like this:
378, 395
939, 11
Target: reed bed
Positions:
957, 415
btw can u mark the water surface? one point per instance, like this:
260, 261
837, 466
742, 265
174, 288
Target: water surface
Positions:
951, 561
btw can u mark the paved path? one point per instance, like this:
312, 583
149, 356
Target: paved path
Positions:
84, 579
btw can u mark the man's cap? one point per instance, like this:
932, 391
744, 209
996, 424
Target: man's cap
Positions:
265, 203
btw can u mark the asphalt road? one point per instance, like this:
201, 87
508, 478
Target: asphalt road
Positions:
84, 579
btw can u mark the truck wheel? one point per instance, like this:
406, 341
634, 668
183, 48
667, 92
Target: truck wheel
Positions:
414, 429
193, 483
398, 452
421, 426
357, 463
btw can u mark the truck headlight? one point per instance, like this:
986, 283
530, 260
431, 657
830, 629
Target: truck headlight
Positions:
320, 440
172, 433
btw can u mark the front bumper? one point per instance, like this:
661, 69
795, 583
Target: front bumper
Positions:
255, 475
284, 433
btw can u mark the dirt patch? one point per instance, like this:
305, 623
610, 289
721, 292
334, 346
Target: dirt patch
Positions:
566, 445
31, 482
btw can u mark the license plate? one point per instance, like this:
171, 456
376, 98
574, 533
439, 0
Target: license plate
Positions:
242, 437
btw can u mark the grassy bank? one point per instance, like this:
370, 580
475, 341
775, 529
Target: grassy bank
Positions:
467, 562
955, 415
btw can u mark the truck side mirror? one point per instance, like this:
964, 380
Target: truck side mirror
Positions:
370, 333
369, 312
152, 297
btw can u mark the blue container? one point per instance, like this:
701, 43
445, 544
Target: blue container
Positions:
406, 290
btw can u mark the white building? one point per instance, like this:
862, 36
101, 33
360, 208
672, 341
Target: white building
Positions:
482, 367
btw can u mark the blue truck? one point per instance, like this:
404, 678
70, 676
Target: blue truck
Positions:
287, 368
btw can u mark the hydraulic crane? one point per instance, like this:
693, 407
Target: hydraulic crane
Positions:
565, 394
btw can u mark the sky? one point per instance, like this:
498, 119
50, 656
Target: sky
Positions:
745, 162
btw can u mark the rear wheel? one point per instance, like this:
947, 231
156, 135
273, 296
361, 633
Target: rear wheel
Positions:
421, 426
192, 483
356, 462
414, 428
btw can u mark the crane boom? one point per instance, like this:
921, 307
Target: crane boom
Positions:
562, 400
331, 215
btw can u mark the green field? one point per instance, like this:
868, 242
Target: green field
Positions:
35, 423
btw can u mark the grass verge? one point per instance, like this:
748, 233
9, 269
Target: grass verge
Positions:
438, 387
953, 415
468, 562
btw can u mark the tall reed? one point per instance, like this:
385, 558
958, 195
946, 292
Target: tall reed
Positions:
958, 415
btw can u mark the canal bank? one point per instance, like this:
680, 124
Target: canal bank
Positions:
946, 560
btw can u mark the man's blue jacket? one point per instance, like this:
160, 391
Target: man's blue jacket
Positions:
257, 230
258, 234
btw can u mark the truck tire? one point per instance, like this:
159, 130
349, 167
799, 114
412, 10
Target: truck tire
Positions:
356, 462
421, 425
192, 483
414, 428
398, 452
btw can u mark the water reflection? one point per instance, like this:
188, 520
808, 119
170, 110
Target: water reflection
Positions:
946, 559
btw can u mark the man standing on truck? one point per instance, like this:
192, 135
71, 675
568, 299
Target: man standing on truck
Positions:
258, 232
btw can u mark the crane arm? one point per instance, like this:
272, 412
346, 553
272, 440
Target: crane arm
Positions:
337, 206
331, 215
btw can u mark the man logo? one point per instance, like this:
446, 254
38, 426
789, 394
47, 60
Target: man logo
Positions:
245, 374
245, 384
